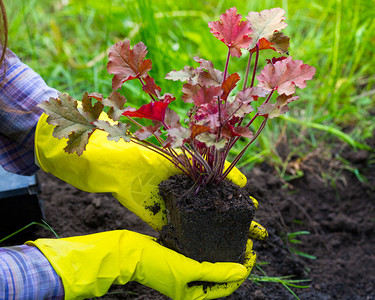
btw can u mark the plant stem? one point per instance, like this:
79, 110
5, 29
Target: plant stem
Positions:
223, 157
229, 117
221, 125
226, 66
232, 143
150, 146
160, 140
196, 155
161, 152
257, 114
216, 164
247, 71
238, 157
255, 66
188, 165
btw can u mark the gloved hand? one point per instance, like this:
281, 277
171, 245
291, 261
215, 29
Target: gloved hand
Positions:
89, 265
132, 174
128, 171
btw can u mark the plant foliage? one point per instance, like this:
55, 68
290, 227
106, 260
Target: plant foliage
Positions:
219, 111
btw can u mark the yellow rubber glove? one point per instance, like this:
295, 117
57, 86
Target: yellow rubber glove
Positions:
132, 174
89, 265
128, 171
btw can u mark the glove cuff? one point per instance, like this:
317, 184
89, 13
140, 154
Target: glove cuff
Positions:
89, 265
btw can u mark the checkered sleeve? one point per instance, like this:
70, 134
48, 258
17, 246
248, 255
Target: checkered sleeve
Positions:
26, 274
21, 89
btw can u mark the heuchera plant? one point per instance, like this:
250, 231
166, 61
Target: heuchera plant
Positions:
220, 112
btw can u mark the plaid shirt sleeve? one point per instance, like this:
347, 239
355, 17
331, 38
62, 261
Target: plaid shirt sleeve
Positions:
21, 89
26, 274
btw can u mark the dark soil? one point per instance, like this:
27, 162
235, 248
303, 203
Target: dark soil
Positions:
330, 199
206, 224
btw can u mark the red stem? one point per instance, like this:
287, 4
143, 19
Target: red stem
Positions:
160, 140
238, 157
247, 71
156, 149
255, 66
257, 114
226, 66
195, 154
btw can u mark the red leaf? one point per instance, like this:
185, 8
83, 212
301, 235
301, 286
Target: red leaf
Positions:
277, 42
212, 76
263, 44
232, 31
208, 115
241, 106
285, 75
177, 137
275, 59
171, 118
116, 102
89, 111
198, 129
251, 94
244, 131
280, 107
150, 87
229, 84
96, 96
189, 90
126, 64
199, 94
146, 131
229, 131
238, 109
153, 111
206, 94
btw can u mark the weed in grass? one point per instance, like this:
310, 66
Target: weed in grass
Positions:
291, 237
44, 224
286, 281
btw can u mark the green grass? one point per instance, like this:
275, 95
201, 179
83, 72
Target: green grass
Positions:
67, 43
285, 281
44, 224
292, 238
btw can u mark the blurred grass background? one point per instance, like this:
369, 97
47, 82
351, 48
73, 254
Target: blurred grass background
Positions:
67, 41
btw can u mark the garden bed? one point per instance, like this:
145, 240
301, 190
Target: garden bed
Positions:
340, 221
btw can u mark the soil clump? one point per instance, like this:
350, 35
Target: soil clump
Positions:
206, 223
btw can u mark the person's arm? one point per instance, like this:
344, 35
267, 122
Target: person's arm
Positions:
21, 89
25, 273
